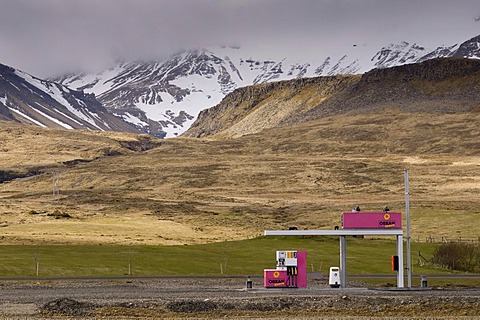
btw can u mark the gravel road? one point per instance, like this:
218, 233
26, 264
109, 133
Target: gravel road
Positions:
216, 298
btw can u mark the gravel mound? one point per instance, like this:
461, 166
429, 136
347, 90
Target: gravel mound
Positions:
68, 307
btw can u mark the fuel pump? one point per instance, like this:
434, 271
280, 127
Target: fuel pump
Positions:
290, 271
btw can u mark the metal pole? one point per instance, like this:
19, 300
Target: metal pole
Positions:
407, 215
400, 273
343, 261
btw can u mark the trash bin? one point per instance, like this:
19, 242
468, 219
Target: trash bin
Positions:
249, 283
334, 278
423, 281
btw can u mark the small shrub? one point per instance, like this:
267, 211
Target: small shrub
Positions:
458, 256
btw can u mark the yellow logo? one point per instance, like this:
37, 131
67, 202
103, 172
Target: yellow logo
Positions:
276, 274
386, 216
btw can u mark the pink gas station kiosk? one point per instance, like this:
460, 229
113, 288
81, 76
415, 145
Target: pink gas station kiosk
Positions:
291, 271
291, 268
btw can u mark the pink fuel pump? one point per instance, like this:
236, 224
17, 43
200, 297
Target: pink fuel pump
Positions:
291, 271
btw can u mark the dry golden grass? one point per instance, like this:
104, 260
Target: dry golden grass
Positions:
198, 190
24, 147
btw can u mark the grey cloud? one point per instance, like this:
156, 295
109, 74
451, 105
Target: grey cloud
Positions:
54, 36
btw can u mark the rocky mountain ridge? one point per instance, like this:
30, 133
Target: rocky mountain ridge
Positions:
164, 98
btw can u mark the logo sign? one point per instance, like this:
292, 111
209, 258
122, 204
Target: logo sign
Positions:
372, 220
275, 278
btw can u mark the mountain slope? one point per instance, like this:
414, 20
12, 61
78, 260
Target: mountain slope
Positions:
448, 85
164, 97
27, 99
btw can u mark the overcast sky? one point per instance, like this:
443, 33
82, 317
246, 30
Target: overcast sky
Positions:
49, 37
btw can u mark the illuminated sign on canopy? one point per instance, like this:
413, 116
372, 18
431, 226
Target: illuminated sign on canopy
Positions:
372, 220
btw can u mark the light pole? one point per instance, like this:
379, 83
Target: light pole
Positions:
407, 216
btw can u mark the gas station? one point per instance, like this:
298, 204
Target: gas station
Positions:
353, 224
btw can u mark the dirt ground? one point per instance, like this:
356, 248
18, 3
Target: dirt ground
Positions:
215, 298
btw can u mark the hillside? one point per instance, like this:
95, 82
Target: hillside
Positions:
240, 180
255, 108
25, 147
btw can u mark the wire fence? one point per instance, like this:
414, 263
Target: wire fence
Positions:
431, 239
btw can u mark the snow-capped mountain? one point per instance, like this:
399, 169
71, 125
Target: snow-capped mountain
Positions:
397, 54
164, 98
27, 99
469, 49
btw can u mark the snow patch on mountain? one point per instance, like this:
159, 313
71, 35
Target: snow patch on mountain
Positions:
62, 124
38, 123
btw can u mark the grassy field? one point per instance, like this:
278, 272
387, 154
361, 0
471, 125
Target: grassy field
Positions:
247, 257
